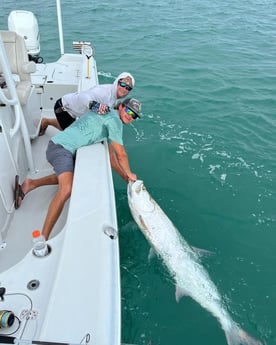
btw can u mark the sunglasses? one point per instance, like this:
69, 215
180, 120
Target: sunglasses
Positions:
123, 84
131, 113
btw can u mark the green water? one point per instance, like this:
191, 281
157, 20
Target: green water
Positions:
206, 76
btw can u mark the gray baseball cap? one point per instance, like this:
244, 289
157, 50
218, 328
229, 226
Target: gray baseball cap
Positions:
133, 104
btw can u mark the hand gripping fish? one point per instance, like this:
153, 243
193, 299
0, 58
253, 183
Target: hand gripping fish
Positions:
182, 261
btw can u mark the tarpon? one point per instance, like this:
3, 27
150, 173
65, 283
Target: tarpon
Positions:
182, 261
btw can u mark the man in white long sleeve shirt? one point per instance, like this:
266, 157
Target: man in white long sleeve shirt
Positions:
74, 105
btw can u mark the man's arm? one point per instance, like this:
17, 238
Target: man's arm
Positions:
119, 161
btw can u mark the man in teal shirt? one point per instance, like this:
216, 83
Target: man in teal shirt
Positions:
62, 148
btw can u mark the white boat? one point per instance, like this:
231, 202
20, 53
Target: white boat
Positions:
72, 295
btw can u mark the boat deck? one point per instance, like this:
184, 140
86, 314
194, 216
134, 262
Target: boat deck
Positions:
74, 291
79, 271
32, 212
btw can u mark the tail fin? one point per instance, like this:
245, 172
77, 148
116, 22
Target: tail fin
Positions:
236, 336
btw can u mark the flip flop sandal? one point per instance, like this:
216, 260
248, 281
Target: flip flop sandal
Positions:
18, 192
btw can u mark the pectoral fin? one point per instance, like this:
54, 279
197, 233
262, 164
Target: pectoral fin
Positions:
152, 254
202, 252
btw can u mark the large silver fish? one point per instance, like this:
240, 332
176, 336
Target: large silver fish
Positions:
182, 261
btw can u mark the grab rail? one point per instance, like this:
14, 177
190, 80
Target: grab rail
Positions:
11, 87
19, 117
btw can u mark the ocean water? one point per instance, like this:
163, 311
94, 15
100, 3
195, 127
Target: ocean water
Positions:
206, 76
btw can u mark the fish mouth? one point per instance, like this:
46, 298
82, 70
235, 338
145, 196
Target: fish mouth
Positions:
134, 186
129, 188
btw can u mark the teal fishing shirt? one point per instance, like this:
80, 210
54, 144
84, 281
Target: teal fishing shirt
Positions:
90, 129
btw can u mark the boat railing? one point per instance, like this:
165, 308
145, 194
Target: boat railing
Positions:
8, 78
14, 102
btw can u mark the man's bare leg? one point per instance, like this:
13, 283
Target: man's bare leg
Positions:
65, 181
30, 184
45, 122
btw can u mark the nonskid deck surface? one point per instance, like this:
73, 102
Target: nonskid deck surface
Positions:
31, 214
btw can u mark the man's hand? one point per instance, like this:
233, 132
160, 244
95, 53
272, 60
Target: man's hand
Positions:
98, 108
104, 109
132, 177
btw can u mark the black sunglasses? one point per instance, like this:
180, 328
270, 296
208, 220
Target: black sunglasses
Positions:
123, 84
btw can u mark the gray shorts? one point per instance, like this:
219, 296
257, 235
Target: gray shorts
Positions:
61, 159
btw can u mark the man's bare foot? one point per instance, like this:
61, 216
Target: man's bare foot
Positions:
43, 127
20, 191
